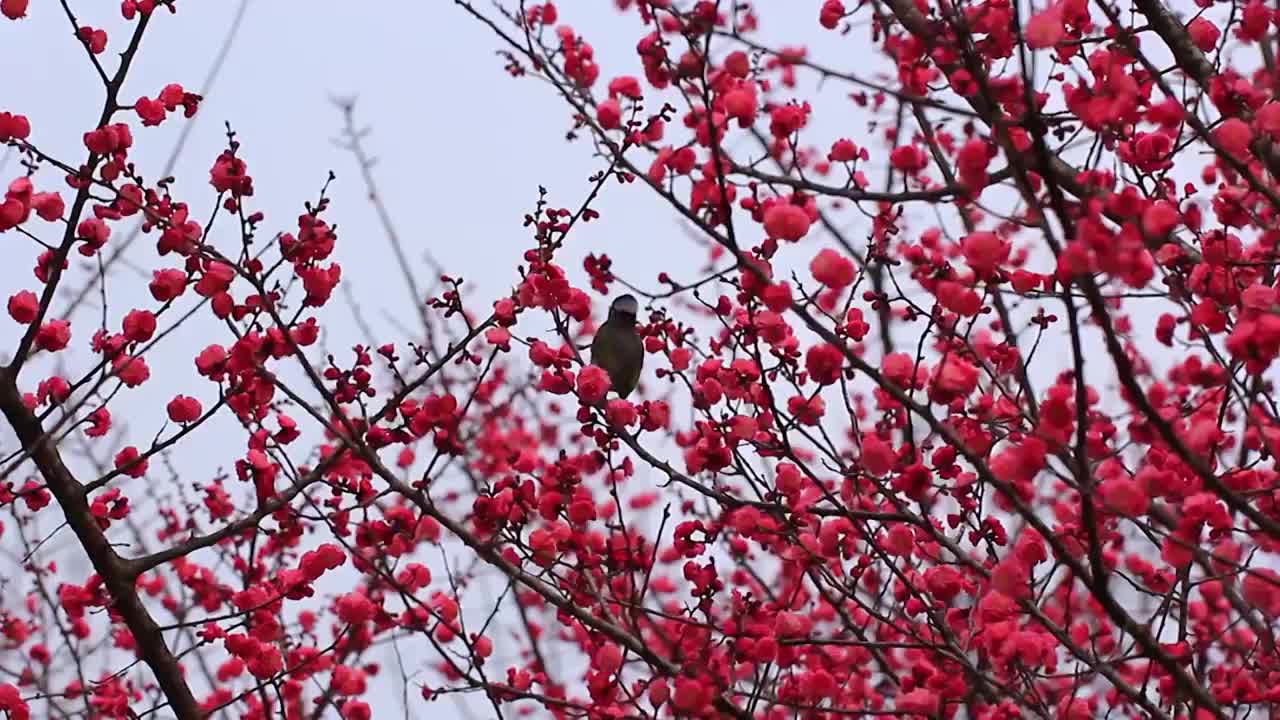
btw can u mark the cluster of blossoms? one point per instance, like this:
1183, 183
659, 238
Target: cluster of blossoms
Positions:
969, 413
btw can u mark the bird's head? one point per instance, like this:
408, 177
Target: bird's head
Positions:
624, 309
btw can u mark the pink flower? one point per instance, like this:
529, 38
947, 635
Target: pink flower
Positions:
741, 103
1268, 118
139, 325
348, 680
109, 139
792, 625
355, 608
48, 205
777, 296
1261, 589
920, 701
10, 698
151, 111
609, 114
14, 126
626, 86
984, 251
210, 361
95, 233
690, 696
1159, 218
130, 462
620, 413
414, 576
1125, 495
832, 269
131, 370
13, 212
843, 150
1234, 136
556, 382
953, 378
1204, 33
900, 540
13, 9
608, 658
909, 159
217, 278
831, 13
99, 422
230, 174
167, 284
959, 299
807, 411
593, 384
499, 337
93, 38
356, 710
315, 563
824, 363
184, 409
24, 306
542, 354
972, 161
877, 455
944, 581
1045, 28
53, 335
785, 221
318, 282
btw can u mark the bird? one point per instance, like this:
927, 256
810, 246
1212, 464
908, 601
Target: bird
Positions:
617, 348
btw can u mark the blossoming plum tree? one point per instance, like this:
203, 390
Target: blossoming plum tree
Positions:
969, 413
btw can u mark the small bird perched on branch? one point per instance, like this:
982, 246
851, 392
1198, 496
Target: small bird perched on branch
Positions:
617, 348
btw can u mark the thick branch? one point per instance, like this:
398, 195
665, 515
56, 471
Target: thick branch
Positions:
1193, 62
113, 570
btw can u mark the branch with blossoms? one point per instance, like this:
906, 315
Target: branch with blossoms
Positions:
264, 324
1011, 455
1155, 523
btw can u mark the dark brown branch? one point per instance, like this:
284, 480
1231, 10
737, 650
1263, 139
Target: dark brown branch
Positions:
113, 570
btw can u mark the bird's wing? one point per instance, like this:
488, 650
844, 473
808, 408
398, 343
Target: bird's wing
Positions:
599, 349
605, 354
609, 352
633, 377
